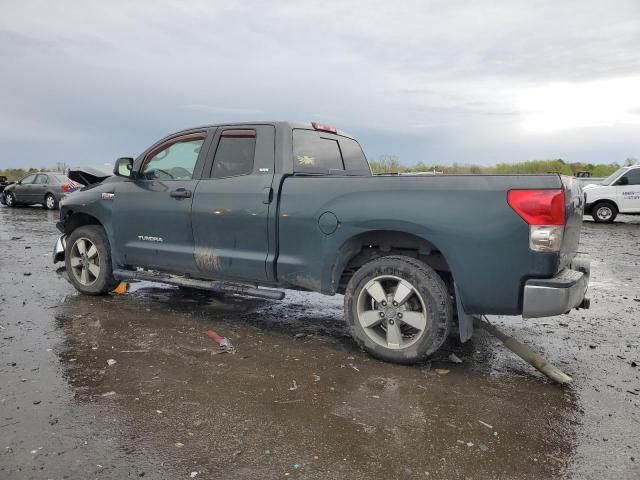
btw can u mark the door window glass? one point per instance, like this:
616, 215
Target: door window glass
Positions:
633, 177
41, 179
235, 154
28, 180
175, 161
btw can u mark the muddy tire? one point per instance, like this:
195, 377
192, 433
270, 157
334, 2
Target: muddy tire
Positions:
50, 202
10, 199
88, 260
398, 309
604, 212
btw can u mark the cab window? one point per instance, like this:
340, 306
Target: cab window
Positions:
235, 153
175, 160
326, 153
28, 180
633, 177
314, 152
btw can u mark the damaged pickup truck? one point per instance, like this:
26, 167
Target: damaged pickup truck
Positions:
246, 208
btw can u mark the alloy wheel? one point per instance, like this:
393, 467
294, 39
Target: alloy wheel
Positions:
392, 312
85, 261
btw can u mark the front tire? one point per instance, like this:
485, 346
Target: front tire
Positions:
10, 199
398, 309
88, 261
604, 212
50, 202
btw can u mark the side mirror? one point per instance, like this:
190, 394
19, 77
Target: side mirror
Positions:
123, 167
623, 181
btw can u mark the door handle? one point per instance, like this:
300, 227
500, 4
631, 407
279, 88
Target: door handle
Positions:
268, 195
181, 193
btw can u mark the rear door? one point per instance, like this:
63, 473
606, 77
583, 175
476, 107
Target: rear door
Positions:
152, 214
629, 194
231, 204
39, 188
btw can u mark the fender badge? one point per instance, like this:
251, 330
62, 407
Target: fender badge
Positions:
108, 196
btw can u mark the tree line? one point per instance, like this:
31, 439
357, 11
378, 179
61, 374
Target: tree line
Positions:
391, 164
14, 174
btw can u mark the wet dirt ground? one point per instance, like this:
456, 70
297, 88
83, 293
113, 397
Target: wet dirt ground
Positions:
298, 399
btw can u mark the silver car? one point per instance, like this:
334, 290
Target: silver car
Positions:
45, 188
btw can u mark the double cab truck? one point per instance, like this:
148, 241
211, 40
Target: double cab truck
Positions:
254, 208
618, 193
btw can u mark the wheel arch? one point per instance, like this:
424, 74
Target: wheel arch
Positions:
74, 220
363, 247
604, 200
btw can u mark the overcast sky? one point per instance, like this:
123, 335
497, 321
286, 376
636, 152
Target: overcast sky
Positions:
440, 81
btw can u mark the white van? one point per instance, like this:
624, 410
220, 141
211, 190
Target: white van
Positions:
618, 193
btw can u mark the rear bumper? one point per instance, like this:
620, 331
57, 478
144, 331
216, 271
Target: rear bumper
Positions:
555, 296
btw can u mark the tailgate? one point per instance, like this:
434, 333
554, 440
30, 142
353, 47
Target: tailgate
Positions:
574, 206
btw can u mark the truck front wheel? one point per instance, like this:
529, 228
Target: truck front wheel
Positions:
604, 212
398, 309
88, 260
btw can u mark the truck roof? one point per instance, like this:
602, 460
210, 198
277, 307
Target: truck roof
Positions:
277, 123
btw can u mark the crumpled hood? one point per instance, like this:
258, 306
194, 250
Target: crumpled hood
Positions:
86, 175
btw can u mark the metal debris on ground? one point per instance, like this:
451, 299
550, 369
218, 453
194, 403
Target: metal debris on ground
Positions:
224, 343
453, 358
111, 362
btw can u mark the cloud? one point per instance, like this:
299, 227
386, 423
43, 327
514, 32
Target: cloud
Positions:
439, 80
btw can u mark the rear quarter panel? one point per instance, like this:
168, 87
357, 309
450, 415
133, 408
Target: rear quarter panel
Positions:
467, 218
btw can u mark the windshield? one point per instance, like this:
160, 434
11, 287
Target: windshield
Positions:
614, 175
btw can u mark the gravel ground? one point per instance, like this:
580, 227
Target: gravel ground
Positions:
298, 399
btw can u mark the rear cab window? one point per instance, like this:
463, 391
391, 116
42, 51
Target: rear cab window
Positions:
323, 153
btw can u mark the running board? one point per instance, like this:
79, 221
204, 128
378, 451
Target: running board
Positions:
213, 286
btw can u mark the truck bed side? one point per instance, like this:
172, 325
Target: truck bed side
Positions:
465, 218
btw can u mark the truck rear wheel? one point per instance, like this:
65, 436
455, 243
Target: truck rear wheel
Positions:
88, 260
604, 212
398, 309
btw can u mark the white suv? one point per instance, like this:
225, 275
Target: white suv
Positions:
618, 193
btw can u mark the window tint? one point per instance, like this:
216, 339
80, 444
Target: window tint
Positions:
315, 153
354, 159
234, 155
175, 162
42, 179
29, 179
633, 177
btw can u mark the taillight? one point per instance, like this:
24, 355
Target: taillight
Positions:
543, 210
323, 127
538, 207
67, 188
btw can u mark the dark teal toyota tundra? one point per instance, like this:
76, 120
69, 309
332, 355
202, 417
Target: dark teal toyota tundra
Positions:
247, 208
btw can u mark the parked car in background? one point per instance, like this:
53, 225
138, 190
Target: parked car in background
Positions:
45, 188
618, 193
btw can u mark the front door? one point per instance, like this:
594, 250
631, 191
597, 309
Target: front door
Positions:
629, 193
23, 190
152, 213
231, 204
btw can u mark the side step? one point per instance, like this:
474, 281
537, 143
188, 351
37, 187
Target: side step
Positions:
212, 286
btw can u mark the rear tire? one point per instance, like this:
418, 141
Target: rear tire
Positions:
10, 199
50, 202
398, 309
604, 212
88, 261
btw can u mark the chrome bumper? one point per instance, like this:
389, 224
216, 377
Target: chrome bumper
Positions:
58, 249
555, 296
